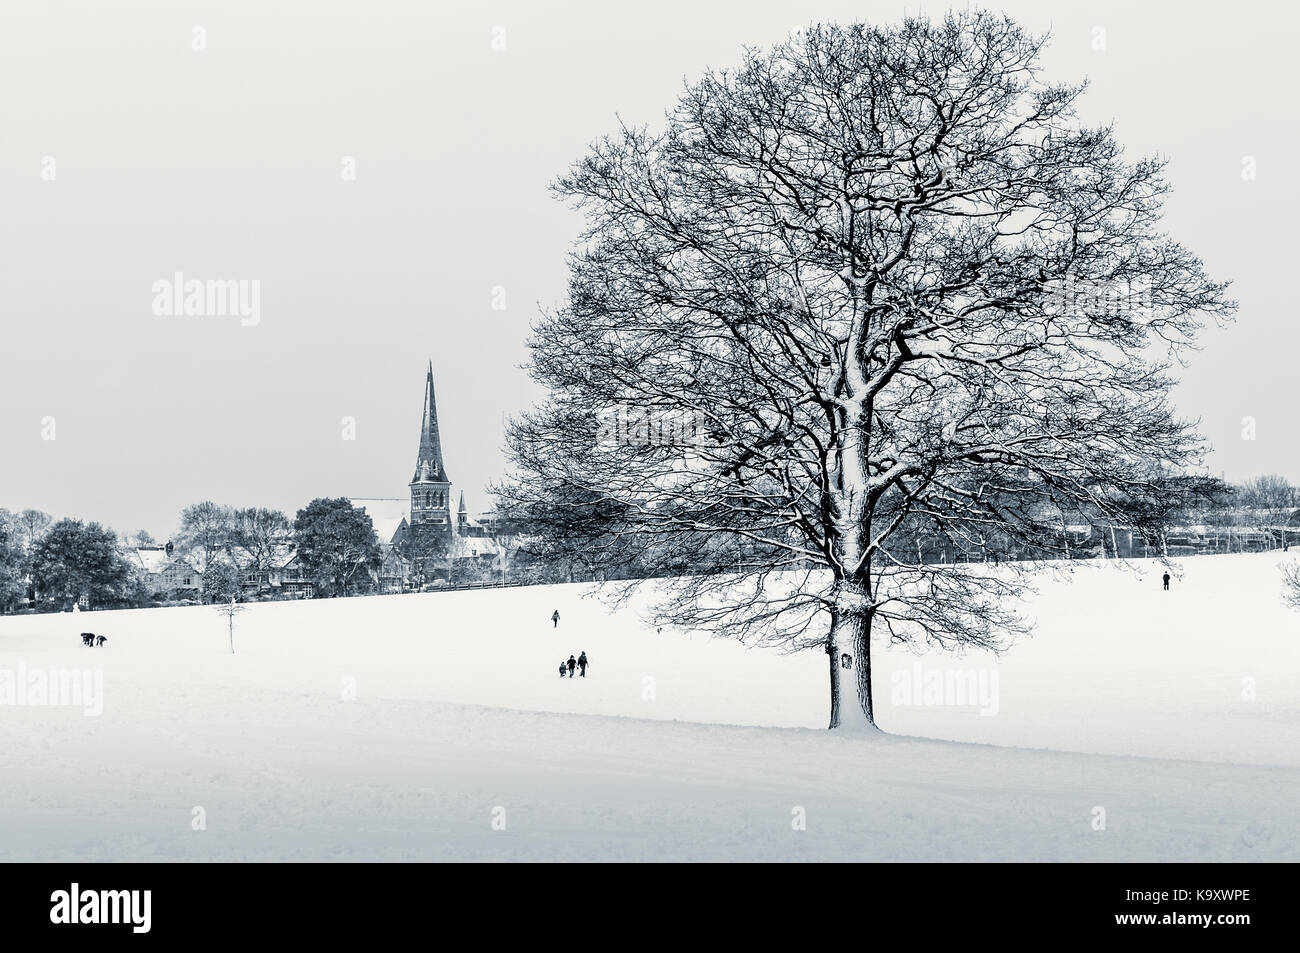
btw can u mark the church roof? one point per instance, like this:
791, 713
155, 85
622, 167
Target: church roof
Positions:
386, 514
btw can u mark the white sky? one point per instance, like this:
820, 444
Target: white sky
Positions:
226, 164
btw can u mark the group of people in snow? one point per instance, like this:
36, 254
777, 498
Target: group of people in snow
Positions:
567, 667
580, 663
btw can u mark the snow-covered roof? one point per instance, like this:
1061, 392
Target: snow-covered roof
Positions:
149, 559
222, 558
393, 562
386, 514
476, 546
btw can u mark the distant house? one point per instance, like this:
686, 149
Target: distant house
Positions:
255, 581
179, 573
183, 574
149, 564
293, 579
160, 572
393, 570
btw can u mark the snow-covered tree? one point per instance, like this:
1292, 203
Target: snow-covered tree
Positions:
337, 546
1274, 501
74, 560
229, 610
222, 580
876, 279
206, 529
259, 540
12, 562
1269, 492
30, 525
1291, 584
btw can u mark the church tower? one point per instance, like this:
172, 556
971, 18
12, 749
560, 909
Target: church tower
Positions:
430, 488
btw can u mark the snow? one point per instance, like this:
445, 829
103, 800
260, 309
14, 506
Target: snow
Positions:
150, 559
415, 726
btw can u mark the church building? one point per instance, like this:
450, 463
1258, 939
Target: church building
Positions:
419, 534
430, 524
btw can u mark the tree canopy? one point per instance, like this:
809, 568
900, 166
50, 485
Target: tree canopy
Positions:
74, 559
337, 546
876, 278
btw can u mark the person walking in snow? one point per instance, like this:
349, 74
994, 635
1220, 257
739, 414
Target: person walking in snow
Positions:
582, 664
563, 666
572, 663
555, 619
1166, 578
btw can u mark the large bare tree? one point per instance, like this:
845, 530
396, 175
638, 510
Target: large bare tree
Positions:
30, 526
876, 285
260, 540
1275, 502
205, 531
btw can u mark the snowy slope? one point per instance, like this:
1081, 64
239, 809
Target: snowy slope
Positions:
458, 712
1118, 665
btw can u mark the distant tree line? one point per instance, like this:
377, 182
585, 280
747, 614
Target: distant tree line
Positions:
584, 537
228, 552
51, 564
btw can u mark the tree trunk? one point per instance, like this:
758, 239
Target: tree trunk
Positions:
851, 705
833, 658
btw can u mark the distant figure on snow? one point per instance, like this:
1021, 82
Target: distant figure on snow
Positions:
1166, 578
582, 664
88, 638
555, 619
572, 663
563, 667
101, 639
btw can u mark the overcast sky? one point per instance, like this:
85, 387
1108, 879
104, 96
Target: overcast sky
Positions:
226, 163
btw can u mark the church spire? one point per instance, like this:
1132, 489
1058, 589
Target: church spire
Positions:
428, 465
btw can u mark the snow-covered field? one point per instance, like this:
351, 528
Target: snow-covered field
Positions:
436, 727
